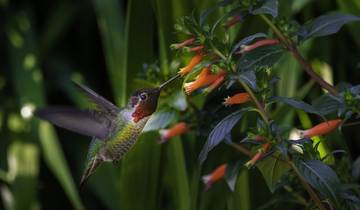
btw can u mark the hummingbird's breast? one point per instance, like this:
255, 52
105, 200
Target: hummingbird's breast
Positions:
124, 139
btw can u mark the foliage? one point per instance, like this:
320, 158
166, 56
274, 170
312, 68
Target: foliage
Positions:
257, 47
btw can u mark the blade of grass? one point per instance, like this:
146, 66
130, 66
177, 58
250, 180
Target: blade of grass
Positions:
114, 39
240, 198
177, 175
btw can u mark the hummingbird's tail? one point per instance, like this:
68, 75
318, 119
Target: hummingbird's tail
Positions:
90, 169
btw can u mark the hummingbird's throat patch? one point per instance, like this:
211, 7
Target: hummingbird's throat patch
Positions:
138, 114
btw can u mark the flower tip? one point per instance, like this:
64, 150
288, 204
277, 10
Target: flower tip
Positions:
189, 88
226, 101
249, 164
207, 181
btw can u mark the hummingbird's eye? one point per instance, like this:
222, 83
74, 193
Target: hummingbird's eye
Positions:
143, 96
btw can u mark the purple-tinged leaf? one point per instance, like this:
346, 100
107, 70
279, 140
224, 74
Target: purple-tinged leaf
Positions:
298, 105
221, 130
269, 7
322, 178
249, 78
325, 25
265, 56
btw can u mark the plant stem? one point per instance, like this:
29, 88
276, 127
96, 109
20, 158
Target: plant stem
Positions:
291, 47
241, 149
307, 187
260, 107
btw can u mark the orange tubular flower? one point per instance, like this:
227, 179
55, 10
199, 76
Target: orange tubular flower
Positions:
321, 129
239, 98
214, 176
264, 42
220, 79
177, 129
193, 62
203, 79
233, 21
258, 156
183, 44
196, 49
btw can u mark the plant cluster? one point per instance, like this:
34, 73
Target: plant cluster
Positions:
287, 157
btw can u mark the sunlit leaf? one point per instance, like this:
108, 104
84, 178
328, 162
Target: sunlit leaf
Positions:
273, 168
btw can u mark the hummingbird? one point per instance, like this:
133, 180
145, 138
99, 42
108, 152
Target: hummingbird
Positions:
114, 130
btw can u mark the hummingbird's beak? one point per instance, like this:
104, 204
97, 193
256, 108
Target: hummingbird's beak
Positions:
169, 81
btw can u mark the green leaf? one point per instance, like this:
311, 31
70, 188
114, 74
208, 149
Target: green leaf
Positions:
222, 129
268, 7
273, 168
178, 175
159, 120
114, 40
325, 25
55, 160
265, 56
298, 105
232, 171
321, 177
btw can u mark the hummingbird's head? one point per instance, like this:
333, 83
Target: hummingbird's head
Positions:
144, 103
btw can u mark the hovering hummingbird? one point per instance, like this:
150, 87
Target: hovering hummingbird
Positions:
113, 130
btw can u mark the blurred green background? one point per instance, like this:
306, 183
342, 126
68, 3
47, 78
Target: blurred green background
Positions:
45, 45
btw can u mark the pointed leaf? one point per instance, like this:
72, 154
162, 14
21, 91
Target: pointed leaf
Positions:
272, 169
298, 105
220, 131
325, 25
159, 120
269, 7
249, 78
326, 104
321, 177
260, 57
232, 172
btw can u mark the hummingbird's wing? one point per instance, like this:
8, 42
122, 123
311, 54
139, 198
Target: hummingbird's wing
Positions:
102, 104
86, 122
